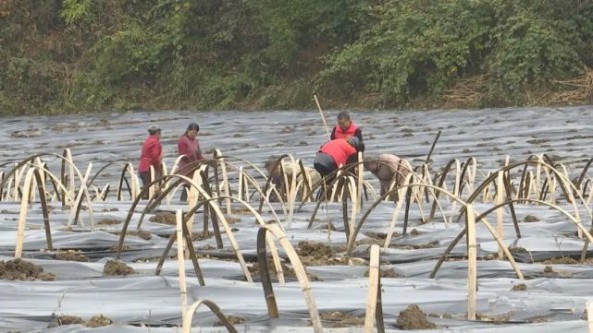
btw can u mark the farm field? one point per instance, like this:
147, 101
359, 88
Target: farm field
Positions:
96, 280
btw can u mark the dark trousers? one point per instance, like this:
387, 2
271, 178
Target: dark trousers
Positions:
145, 177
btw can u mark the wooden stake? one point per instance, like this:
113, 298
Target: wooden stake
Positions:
322, 117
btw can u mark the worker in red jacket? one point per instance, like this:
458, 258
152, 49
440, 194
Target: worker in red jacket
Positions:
346, 128
335, 154
151, 155
189, 148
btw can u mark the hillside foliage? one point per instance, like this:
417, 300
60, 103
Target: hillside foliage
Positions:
92, 55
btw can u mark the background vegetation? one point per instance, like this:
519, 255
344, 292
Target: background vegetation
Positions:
93, 55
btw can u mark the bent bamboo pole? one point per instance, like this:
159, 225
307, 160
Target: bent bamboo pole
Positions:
298, 269
187, 318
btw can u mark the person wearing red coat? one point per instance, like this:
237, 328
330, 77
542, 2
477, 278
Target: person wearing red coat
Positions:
346, 128
151, 155
189, 148
335, 154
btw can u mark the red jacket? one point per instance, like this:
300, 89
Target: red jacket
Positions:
339, 150
339, 133
151, 154
191, 150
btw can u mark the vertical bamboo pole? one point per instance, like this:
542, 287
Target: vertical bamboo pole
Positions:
18, 251
500, 211
322, 117
472, 278
374, 285
181, 263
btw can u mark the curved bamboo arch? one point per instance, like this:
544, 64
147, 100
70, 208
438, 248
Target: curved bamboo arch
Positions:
298, 269
490, 210
133, 188
560, 176
187, 319
217, 211
74, 212
352, 239
227, 228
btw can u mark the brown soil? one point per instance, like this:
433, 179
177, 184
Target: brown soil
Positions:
336, 319
69, 320
530, 218
430, 245
113, 267
108, 222
164, 218
98, 321
198, 236
288, 272
318, 254
146, 235
19, 269
519, 287
561, 260
385, 273
412, 318
71, 255
501, 318
234, 320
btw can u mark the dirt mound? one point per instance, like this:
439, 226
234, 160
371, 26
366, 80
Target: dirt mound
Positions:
69, 320
98, 321
412, 318
234, 320
385, 273
198, 236
519, 287
109, 221
71, 255
288, 272
316, 254
113, 267
19, 269
340, 319
561, 260
164, 218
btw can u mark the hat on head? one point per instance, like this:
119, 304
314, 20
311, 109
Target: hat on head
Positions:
153, 129
193, 126
354, 142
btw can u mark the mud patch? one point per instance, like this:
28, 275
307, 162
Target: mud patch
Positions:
519, 287
561, 260
429, 245
317, 254
113, 267
71, 255
164, 218
98, 321
531, 218
198, 236
69, 320
19, 269
108, 222
412, 318
384, 273
335, 319
500, 318
234, 320
146, 235
287, 271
